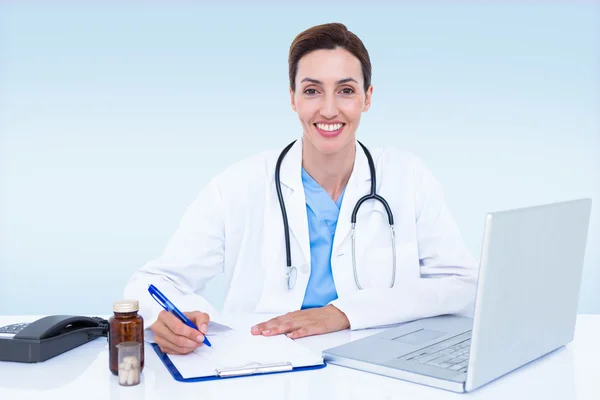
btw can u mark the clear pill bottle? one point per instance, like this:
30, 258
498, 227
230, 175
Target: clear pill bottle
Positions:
126, 325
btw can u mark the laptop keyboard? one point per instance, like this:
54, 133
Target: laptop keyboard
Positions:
444, 355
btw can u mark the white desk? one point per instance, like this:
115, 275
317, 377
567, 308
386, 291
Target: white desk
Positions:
572, 372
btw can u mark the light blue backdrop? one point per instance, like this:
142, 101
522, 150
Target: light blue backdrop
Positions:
112, 118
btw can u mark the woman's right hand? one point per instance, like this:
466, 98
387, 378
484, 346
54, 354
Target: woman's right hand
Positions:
175, 337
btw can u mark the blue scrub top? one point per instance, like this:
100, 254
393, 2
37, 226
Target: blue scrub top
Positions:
322, 214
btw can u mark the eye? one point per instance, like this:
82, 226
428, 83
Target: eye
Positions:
347, 91
310, 92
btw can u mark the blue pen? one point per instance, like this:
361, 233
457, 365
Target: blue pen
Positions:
170, 307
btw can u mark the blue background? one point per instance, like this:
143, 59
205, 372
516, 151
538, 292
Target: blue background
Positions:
114, 116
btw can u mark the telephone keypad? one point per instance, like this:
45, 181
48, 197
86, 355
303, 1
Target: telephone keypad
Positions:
13, 329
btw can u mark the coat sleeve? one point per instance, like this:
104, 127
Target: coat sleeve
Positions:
448, 273
193, 256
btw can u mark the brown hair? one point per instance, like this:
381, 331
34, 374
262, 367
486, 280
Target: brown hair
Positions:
329, 37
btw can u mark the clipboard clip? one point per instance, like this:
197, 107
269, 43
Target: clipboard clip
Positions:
253, 369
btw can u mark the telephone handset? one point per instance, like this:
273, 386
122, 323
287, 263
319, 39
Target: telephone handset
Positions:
48, 337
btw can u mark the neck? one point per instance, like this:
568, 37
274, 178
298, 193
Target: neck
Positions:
331, 171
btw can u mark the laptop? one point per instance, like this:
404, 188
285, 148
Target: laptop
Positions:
525, 307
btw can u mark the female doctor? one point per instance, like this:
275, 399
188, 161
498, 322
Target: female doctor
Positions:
325, 233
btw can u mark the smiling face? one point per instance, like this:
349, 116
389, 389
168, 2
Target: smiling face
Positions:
330, 98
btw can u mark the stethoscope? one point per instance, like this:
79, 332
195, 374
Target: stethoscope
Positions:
291, 272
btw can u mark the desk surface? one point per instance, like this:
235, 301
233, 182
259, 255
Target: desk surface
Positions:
571, 372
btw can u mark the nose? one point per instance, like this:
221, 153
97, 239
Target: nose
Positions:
329, 107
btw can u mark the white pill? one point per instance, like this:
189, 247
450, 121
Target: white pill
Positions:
131, 377
135, 363
123, 375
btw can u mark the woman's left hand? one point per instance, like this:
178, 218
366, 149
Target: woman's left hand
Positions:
297, 324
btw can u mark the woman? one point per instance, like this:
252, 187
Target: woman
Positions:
236, 225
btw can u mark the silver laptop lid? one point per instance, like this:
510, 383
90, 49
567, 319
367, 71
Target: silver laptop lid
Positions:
528, 289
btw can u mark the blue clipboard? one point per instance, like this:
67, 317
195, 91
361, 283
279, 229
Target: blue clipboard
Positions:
252, 370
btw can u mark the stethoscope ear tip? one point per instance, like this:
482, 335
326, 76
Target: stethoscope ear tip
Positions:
291, 276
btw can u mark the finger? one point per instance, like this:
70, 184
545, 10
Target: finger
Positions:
170, 348
179, 328
279, 325
162, 330
259, 328
284, 327
200, 319
265, 327
306, 330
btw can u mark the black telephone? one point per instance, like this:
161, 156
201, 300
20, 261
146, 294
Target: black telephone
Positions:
48, 337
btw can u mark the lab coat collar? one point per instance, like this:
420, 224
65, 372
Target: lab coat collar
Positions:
291, 167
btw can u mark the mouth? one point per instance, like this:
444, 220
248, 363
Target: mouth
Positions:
330, 130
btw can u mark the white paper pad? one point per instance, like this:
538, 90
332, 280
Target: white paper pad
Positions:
236, 349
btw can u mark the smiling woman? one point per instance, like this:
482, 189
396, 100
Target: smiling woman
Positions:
282, 226
330, 87
329, 109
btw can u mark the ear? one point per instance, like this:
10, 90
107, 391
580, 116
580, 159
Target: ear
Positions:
369, 94
293, 102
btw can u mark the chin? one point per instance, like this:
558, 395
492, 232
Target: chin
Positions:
330, 148
330, 145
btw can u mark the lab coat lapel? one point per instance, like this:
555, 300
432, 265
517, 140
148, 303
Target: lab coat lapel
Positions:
295, 202
357, 187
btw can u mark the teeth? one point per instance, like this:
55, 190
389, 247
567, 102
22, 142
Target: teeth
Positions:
328, 127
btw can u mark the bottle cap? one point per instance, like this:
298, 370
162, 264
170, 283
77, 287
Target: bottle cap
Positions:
127, 305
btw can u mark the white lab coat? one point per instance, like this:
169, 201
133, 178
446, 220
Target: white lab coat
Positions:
235, 227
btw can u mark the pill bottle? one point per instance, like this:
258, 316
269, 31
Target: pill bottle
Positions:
125, 326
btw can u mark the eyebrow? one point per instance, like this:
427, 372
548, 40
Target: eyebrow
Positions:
318, 82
